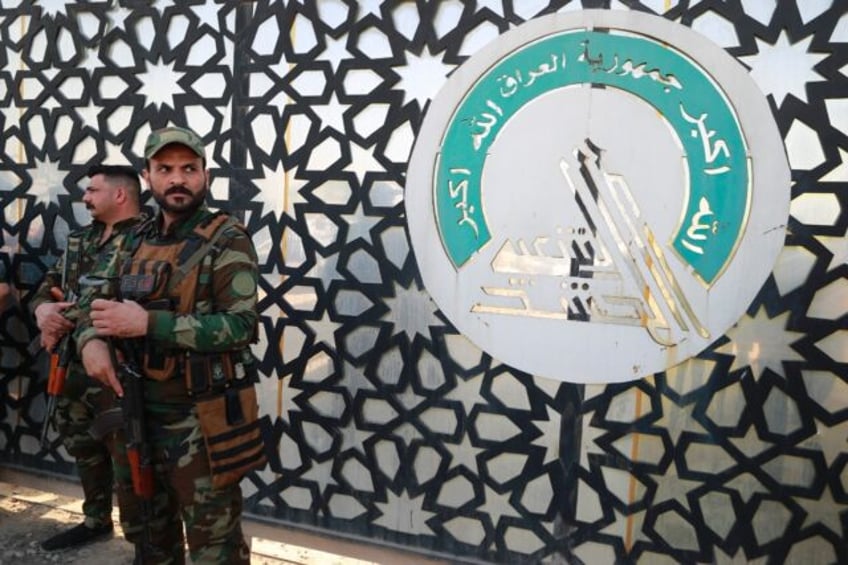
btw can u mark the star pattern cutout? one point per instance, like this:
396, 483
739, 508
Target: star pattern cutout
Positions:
838, 247
464, 454
12, 117
325, 269
497, 505
273, 186
589, 436
52, 8
207, 13
368, 7
331, 114
159, 84
832, 441
411, 312
353, 439
678, 419
421, 76
549, 439
404, 514
761, 342
118, 15
362, 161
823, 510
785, 68
628, 527
359, 225
321, 473
335, 51
670, 486
324, 329
47, 182
467, 392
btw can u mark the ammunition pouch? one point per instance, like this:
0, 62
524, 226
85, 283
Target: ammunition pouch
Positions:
145, 280
211, 373
225, 397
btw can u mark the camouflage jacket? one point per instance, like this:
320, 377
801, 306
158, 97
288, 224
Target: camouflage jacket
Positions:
85, 255
228, 320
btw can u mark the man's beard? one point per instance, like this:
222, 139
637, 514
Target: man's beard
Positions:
185, 208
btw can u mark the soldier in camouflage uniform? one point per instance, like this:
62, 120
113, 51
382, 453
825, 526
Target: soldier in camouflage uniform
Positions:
187, 316
113, 200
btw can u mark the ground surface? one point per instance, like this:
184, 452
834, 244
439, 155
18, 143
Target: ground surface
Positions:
28, 516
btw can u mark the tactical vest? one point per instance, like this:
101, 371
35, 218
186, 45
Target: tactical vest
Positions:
174, 276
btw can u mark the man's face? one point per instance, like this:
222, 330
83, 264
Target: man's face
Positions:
99, 198
177, 179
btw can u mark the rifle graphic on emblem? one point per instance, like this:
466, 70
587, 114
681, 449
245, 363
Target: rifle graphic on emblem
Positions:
611, 271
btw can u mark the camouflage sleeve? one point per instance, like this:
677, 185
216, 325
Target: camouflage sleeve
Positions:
108, 268
84, 331
233, 318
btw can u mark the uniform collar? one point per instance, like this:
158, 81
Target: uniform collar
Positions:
181, 227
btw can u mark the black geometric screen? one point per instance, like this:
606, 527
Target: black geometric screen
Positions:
391, 424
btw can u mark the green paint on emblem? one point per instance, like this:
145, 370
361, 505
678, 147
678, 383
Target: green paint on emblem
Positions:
719, 183
243, 284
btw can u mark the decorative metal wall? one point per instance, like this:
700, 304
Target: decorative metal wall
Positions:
392, 426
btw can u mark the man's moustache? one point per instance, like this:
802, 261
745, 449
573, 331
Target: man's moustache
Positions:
178, 190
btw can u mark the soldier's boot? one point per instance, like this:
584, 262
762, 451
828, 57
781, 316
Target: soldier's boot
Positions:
78, 535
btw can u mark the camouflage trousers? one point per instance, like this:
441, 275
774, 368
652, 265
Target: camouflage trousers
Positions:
183, 495
75, 412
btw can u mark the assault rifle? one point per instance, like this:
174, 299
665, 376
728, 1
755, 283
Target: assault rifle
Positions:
60, 359
130, 418
139, 452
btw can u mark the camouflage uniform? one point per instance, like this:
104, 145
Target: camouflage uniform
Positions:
83, 397
224, 318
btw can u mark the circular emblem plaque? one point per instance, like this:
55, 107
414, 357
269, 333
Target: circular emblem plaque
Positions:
597, 196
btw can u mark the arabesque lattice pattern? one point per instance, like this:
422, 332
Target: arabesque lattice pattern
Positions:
392, 426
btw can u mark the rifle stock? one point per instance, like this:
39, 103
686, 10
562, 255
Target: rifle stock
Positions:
60, 358
59, 361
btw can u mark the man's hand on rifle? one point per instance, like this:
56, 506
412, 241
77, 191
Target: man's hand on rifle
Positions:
99, 365
51, 322
119, 319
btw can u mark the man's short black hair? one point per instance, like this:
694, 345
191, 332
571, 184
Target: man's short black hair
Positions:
115, 171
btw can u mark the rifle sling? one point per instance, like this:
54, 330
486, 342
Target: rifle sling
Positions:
184, 269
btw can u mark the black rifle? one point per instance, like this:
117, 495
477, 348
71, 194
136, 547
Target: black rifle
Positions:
139, 452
